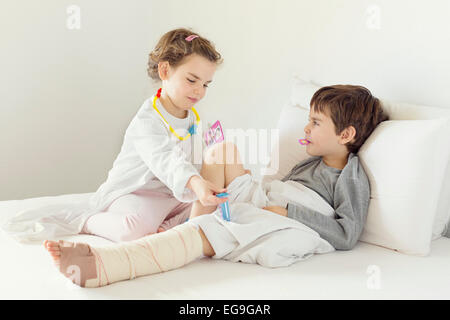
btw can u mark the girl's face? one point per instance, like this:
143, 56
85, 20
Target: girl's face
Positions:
320, 132
187, 83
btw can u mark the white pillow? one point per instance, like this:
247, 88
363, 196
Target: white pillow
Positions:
291, 123
302, 92
404, 162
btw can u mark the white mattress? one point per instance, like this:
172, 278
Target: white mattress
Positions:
27, 272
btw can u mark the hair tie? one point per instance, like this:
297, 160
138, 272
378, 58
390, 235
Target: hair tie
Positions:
191, 37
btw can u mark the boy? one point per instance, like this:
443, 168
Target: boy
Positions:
342, 117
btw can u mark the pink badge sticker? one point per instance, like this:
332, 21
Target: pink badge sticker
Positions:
214, 134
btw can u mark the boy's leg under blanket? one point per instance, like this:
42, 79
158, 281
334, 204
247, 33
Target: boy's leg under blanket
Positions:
255, 235
258, 236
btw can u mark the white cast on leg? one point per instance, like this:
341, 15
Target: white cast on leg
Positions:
151, 254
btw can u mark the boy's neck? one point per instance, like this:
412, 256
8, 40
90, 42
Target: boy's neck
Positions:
336, 161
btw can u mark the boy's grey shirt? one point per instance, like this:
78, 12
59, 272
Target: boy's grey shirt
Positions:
346, 190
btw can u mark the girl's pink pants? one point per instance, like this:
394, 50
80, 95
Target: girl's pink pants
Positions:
137, 214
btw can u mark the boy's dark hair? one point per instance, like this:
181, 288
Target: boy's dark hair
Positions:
173, 47
349, 105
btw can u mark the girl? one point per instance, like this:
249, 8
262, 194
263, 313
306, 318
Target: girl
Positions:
154, 180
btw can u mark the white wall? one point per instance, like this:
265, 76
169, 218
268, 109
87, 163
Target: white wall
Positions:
68, 95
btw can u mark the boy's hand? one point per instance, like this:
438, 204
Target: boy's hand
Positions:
278, 210
206, 191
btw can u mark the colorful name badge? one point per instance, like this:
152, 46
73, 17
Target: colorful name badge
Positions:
214, 134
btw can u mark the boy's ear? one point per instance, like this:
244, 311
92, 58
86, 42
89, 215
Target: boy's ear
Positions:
163, 70
348, 134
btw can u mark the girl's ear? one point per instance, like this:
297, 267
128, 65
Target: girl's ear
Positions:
163, 70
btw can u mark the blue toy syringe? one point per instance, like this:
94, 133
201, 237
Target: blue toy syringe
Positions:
224, 206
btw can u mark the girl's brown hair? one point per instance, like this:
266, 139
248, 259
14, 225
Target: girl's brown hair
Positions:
173, 47
349, 105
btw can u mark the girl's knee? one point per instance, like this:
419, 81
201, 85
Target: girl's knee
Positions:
222, 153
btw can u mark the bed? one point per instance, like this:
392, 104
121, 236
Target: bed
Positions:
366, 272
394, 260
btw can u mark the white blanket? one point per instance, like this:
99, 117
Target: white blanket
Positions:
48, 222
255, 235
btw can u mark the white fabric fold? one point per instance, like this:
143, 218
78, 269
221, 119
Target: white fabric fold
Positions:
255, 235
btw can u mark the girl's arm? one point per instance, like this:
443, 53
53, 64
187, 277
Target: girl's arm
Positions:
168, 161
205, 191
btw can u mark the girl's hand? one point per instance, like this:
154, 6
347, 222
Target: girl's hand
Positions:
206, 191
278, 210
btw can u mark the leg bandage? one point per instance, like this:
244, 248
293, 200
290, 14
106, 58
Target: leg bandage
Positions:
88, 266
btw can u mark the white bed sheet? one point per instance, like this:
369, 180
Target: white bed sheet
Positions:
27, 272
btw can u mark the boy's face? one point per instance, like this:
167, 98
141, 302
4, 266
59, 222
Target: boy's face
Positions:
320, 131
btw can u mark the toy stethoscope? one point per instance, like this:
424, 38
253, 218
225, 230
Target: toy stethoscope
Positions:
192, 130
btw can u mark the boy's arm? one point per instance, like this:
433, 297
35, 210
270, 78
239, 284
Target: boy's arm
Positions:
351, 203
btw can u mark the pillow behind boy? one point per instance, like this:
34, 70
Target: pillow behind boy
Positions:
290, 128
402, 159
